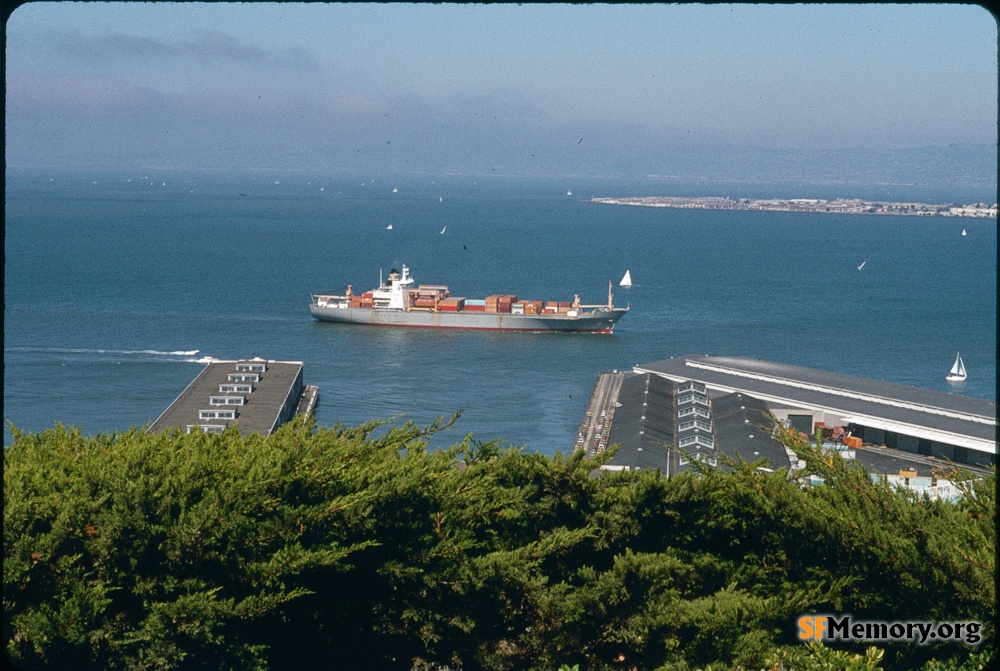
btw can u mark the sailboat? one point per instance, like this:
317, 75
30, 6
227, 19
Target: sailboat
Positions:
626, 279
862, 265
443, 230
963, 232
389, 227
957, 372
569, 193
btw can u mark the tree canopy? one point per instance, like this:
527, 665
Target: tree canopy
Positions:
360, 548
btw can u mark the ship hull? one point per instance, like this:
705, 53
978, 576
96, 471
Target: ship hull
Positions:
590, 321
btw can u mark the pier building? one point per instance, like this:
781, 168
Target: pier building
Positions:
258, 395
664, 413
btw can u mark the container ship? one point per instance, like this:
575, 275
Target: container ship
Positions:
399, 302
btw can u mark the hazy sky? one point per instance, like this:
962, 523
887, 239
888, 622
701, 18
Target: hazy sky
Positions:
438, 87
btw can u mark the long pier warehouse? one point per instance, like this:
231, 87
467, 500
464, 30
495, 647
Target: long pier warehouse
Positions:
258, 395
706, 405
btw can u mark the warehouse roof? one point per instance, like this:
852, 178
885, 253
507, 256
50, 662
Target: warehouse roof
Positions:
272, 383
947, 418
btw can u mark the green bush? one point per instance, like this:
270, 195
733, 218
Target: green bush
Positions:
360, 548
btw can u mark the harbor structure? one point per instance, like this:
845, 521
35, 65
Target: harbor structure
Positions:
258, 395
666, 413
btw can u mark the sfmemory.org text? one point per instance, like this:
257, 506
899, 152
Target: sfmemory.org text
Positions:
821, 626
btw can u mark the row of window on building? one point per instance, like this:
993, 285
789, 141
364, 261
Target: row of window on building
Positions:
247, 374
696, 432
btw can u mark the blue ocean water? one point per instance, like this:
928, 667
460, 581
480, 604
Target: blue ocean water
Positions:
112, 281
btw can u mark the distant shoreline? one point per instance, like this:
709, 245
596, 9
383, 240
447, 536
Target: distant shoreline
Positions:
841, 206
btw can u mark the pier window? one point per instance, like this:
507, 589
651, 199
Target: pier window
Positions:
235, 388
207, 428
693, 411
244, 377
691, 386
227, 400
711, 461
216, 414
706, 441
692, 398
695, 424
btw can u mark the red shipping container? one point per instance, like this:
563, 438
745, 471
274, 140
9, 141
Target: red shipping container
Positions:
474, 308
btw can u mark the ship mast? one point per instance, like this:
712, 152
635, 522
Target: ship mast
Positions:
609, 295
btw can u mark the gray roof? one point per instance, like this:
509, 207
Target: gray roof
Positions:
263, 406
643, 431
743, 428
948, 418
735, 418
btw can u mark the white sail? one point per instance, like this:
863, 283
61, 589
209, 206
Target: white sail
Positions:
957, 372
626, 279
443, 230
862, 265
963, 232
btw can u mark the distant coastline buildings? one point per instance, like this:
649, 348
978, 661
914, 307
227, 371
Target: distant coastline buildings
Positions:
841, 206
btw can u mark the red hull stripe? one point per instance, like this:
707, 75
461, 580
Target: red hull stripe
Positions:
470, 328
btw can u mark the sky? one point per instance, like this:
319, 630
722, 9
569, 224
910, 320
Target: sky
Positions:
519, 88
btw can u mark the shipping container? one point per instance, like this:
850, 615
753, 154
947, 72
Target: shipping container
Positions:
504, 308
473, 307
564, 304
475, 301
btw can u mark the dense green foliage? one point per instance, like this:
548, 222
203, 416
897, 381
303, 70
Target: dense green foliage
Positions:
360, 549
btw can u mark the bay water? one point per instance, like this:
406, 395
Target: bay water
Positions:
115, 285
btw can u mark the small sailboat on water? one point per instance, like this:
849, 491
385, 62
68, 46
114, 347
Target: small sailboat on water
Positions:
443, 230
862, 265
626, 279
957, 372
389, 227
963, 232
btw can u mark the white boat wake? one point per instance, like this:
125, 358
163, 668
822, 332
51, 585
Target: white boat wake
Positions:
83, 350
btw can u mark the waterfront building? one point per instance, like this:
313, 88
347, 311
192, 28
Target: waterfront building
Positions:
668, 412
258, 395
